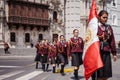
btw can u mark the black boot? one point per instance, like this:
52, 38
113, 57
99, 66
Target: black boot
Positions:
62, 70
43, 67
47, 67
58, 65
36, 65
94, 76
76, 74
54, 69
5, 51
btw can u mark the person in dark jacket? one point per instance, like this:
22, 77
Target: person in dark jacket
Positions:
75, 51
106, 37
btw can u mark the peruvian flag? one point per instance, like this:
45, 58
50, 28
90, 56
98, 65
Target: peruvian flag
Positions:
91, 56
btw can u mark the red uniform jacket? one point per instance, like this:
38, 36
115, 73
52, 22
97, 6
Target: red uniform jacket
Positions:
44, 49
75, 45
105, 34
52, 51
39, 48
62, 47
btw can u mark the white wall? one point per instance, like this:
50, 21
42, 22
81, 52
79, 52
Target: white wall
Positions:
72, 17
114, 10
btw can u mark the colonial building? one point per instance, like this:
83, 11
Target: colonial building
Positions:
2, 22
72, 17
77, 12
57, 17
113, 8
26, 21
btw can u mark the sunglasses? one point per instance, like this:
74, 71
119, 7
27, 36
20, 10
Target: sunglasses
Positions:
76, 32
105, 17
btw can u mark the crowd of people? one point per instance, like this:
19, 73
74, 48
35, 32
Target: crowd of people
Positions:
58, 53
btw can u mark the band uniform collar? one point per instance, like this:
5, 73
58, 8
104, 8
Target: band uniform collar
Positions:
75, 37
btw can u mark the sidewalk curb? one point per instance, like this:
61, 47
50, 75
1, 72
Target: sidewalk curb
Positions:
26, 56
17, 57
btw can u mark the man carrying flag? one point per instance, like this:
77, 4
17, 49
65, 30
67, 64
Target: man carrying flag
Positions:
91, 57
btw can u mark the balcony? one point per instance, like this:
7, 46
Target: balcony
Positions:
28, 21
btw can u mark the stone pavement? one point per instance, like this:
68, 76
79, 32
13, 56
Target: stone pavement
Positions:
30, 54
18, 53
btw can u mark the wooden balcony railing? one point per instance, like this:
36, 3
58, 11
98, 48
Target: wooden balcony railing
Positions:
28, 21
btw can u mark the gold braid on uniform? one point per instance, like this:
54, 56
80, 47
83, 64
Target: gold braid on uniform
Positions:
60, 50
51, 50
40, 46
45, 46
106, 38
73, 43
101, 36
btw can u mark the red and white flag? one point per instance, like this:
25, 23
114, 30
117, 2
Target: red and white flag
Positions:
91, 56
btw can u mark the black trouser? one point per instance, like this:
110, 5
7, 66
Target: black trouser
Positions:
76, 73
94, 76
61, 60
6, 50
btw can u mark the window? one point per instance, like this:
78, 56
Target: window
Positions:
55, 37
114, 19
40, 37
55, 16
27, 37
114, 3
12, 37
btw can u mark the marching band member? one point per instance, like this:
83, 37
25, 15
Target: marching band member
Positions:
44, 55
52, 53
62, 53
38, 53
75, 51
106, 37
